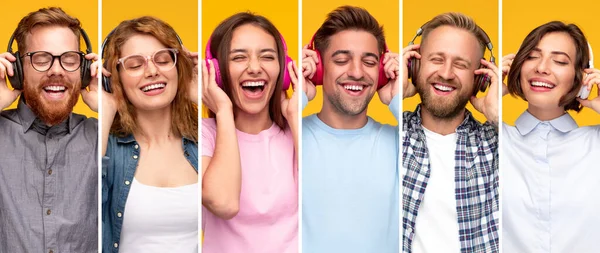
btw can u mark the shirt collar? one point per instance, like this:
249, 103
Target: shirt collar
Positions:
30, 121
527, 122
465, 126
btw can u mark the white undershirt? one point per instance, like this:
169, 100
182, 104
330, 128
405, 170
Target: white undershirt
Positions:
436, 225
158, 219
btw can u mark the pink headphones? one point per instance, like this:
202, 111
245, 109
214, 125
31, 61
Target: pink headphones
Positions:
286, 76
318, 76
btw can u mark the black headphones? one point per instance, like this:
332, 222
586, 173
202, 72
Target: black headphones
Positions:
17, 79
481, 81
106, 85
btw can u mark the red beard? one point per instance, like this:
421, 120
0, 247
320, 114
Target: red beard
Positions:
51, 112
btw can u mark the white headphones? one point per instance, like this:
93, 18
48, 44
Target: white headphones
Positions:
584, 93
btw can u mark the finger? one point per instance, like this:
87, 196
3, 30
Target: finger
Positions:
585, 102
211, 73
389, 69
310, 53
92, 56
489, 65
411, 54
410, 48
10, 57
590, 71
94, 69
477, 103
5, 66
509, 57
389, 56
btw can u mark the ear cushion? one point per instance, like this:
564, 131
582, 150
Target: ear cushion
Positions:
16, 80
317, 78
413, 68
86, 76
482, 82
106, 81
287, 80
215, 63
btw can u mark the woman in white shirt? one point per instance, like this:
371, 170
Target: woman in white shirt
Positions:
551, 181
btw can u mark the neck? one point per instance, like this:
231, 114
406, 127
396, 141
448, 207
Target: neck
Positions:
443, 126
332, 117
545, 114
154, 126
253, 123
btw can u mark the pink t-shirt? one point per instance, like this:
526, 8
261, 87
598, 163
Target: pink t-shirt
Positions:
267, 221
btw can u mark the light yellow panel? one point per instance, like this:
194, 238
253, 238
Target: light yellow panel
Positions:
417, 13
283, 14
85, 11
521, 17
387, 14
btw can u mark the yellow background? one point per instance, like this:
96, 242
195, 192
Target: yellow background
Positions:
485, 14
182, 16
283, 14
85, 11
533, 14
387, 14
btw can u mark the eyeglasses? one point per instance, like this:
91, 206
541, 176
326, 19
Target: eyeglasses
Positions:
42, 61
135, 65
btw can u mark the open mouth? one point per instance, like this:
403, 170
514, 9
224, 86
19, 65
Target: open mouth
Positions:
443, 88
153, 87
542, 85
354, 89
55, 89
254, 89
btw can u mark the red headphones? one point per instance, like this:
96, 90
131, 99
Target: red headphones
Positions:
317, 78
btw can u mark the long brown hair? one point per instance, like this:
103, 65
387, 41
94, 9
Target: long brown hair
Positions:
220, 42
184, 113
530, 43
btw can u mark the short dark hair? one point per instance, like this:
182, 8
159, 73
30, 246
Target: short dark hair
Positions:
530, 43
348, 18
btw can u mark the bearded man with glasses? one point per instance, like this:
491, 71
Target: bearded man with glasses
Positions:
48, 154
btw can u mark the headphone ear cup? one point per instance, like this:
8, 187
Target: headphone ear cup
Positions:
86, 76
383, 80
318, 76
215, 63
106, 81
413, 69
286, 74
482, 81
17, 79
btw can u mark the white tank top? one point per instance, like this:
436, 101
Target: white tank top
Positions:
158, 219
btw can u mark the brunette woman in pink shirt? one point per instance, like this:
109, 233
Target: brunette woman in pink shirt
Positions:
249, 148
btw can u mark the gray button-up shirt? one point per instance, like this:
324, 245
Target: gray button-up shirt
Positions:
48, 183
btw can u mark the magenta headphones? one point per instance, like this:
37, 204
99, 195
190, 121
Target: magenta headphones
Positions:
318, 76
286, 76
481, 81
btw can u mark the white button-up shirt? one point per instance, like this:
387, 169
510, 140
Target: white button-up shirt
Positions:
550, 177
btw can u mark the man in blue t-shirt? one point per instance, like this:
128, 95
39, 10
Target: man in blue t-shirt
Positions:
350, 161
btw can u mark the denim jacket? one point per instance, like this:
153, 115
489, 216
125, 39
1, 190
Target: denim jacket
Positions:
118, 167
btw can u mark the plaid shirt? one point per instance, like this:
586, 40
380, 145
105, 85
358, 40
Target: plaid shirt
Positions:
476, 180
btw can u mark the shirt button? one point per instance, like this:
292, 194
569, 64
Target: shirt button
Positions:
135, 157
127, 182
116, 245
50, 172
48, 212
119, 214
136, 146
187, 154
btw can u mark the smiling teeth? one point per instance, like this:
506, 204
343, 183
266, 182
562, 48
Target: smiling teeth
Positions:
443, 87
353, 87
542, 84
54, 88
253, 84
153, 86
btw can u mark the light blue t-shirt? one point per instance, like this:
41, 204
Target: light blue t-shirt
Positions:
350, 186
